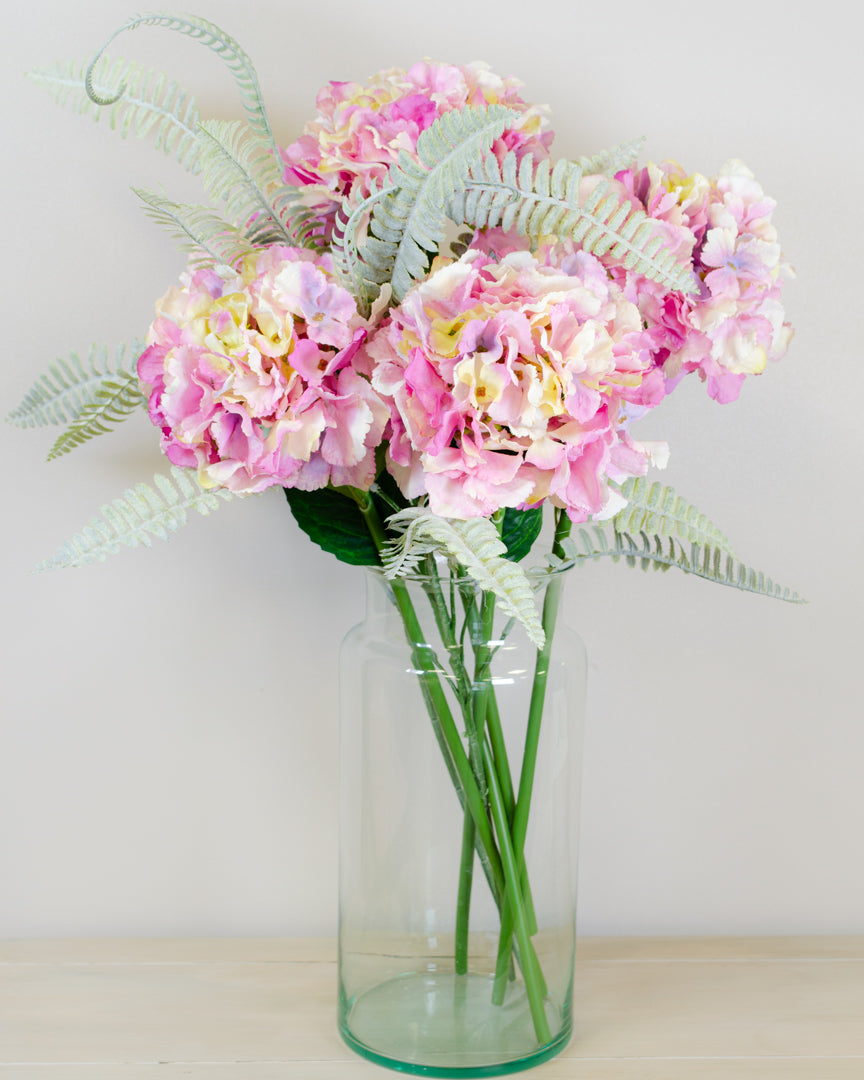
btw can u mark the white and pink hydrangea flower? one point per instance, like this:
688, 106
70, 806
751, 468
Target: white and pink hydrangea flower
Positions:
361, 128
512, 382
253, 380
734, 324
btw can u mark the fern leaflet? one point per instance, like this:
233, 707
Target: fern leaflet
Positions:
237, 167
409, 222
239, 64
347, 260
544, 200
150, 102
476, 546
116, 398
654, 509
662, 552
609, 162
197, 230
138, 515
71, 385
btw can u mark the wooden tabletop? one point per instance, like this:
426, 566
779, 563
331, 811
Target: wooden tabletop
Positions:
254, 1009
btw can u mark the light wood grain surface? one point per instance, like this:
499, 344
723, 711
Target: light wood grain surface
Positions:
252, 1009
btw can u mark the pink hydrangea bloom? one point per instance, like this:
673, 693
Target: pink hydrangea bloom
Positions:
361, 128
734, 324
512, 381
252, 376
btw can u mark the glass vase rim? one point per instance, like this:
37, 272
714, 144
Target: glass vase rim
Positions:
538, 576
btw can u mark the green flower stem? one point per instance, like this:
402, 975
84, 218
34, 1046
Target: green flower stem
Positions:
534, 988
499, 752
476, 721
551, 604
502, 869
469, 829
481, 629
439, 711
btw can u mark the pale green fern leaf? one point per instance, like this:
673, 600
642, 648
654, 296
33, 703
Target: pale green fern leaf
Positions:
543, 200
609, 162
225, 47
138, 515
656, 552
352, 271
655, 509
238, 169
116, 399
151, 103
197, 230
474, 545
71, 385
408, 222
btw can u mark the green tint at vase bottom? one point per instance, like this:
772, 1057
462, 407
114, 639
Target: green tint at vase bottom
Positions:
441, 1024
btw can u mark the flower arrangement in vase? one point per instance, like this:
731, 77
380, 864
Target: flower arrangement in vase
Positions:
431, 333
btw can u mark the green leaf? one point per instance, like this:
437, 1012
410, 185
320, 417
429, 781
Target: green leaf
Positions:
334, 523
520, 530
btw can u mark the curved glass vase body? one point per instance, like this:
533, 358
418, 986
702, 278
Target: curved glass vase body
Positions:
460, 769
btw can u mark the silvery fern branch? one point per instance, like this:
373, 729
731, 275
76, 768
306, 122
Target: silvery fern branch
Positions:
609, 162
353, 272
225, 47
114, 401
151, 103
135, 517
409, 222
238, 169
657, 509
662, 552
542, 200
72, 385
474, 545
197, 230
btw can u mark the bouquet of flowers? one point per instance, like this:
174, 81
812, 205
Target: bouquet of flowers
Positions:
429, 331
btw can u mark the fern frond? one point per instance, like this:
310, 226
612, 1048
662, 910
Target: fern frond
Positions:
347, 258
238, 168
609, 162
116, 399
71, 385
542, 200
197, 229
476, 546
207, 33
409, 222
138, 515
655, 509
151, 103
662, 552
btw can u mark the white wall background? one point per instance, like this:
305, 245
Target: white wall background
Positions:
168, 738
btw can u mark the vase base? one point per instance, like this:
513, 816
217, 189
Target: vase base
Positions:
441, 1024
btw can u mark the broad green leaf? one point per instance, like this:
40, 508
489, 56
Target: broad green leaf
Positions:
334, 523
520, 531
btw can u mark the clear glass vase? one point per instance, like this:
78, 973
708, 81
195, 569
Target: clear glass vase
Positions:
460, 774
